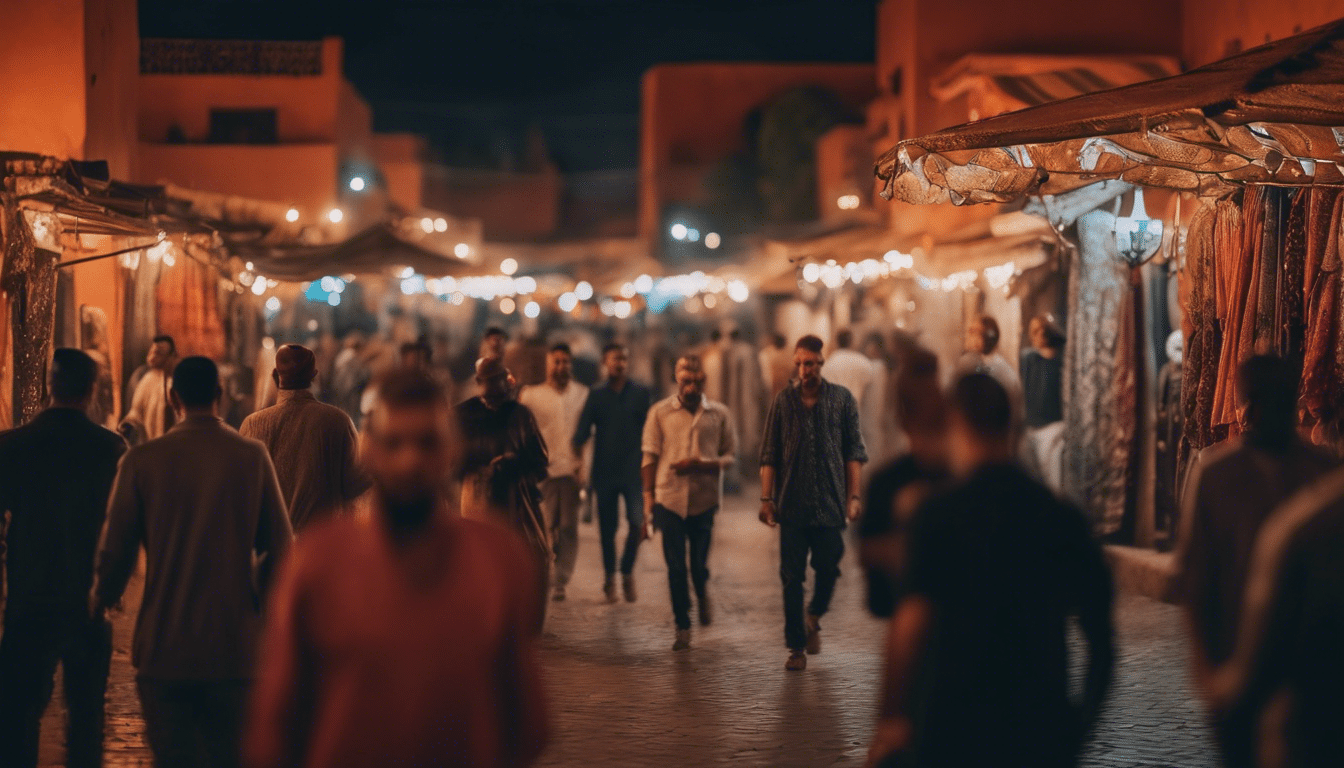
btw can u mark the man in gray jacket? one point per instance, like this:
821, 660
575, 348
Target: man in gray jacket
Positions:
205, 503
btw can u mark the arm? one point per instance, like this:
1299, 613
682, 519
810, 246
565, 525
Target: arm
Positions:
354, 482
121, 537
854, 503
905, 645
767, 513
652, 448
274, 534
770, 450
584, 429
277, 727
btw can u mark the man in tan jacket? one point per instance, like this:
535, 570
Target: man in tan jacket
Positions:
312, 444
205, 503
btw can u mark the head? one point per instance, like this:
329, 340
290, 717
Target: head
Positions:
980, 423
982, 335
295, 367
690, 377
493, 381
807, 361
715, 336
844, 338
71, 378
921, 407
196, 387
778, 341
559, 365
1045, 335
1267, 391
616, 361
416, 354
409, 444
162, 353
492, 344
874, 347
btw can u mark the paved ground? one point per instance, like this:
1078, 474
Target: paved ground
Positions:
622, 698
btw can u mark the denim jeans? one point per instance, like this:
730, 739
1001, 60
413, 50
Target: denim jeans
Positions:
609, 518
679, 534
827, 546
32, 647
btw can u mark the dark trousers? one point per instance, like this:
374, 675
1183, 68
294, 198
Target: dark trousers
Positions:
827, 546
608, 520
679, 534
191, 723
31, 648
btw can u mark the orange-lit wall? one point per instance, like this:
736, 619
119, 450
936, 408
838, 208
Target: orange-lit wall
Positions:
296, 174
692, 117
100, 284
307, 108
68, 79
511, 206
399, 157
924, 37
1216, 28
844, 167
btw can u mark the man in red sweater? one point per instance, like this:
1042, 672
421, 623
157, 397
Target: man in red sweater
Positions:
401, 635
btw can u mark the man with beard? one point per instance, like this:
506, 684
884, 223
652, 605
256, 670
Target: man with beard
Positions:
402, 635
504, 462
688, 442
811, 455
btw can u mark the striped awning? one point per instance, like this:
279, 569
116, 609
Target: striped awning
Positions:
994, 84
1271, 115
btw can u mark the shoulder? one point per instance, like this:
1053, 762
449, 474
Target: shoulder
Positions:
841, 394
1219, 458
717, 408
664, 406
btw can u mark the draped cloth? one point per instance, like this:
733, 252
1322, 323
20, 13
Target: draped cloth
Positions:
1099, 376
188, 308
1203, 334
1321, 286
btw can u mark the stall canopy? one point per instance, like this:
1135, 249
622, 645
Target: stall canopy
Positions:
377, 250
1271, 115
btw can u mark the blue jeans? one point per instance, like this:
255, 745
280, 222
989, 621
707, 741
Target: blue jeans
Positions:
609, 519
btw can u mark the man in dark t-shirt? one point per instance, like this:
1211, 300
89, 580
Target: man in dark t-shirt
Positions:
977, 668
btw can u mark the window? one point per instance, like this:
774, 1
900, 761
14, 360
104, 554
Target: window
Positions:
243, 126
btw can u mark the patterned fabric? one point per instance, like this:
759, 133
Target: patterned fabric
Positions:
509, 490
809, 447
1098, 376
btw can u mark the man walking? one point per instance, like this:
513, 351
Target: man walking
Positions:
811, 455
977, 659
504, 462
150, 412
688, 442
1233, 488
55, 476
616, 412
556, 405
401, 635
312, 444
205, 503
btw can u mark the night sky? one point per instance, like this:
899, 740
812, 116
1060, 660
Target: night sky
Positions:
477, 76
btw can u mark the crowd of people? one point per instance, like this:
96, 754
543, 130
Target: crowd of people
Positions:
320, 593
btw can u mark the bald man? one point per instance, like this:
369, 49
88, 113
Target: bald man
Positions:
312, 444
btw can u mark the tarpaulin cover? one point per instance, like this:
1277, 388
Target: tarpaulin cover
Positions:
1271, 115
376, 250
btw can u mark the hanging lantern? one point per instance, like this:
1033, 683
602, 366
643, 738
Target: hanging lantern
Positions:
1137, 237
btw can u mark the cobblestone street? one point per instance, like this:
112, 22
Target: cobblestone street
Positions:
620, 697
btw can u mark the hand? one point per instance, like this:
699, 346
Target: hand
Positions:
767, 514
646, 530
684, 467
853, 510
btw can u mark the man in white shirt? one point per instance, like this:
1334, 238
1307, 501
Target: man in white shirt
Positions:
848, 368
150, 413
688, 441
556, 404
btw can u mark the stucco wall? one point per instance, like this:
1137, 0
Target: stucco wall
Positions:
294, 174
112, 80
1216, 28
42, 77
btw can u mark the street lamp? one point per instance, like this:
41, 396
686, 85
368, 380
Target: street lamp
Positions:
357, 183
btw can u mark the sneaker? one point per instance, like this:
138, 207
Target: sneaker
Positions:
628, 585
797, 661
813, 635
610, 589
683, 642
559, 594
706, 609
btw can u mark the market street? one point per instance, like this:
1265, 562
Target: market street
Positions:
620, 697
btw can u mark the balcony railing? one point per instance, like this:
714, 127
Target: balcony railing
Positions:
160, 56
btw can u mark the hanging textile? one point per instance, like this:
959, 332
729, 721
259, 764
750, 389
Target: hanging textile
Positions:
1099, 411
188, 308
1322, 285
1203, 335
1233, 273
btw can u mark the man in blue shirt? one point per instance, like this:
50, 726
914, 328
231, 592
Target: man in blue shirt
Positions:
616, 411
811, 455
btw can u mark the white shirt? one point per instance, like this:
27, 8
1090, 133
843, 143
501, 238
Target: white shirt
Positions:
673, 434
851, 370
557, 414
